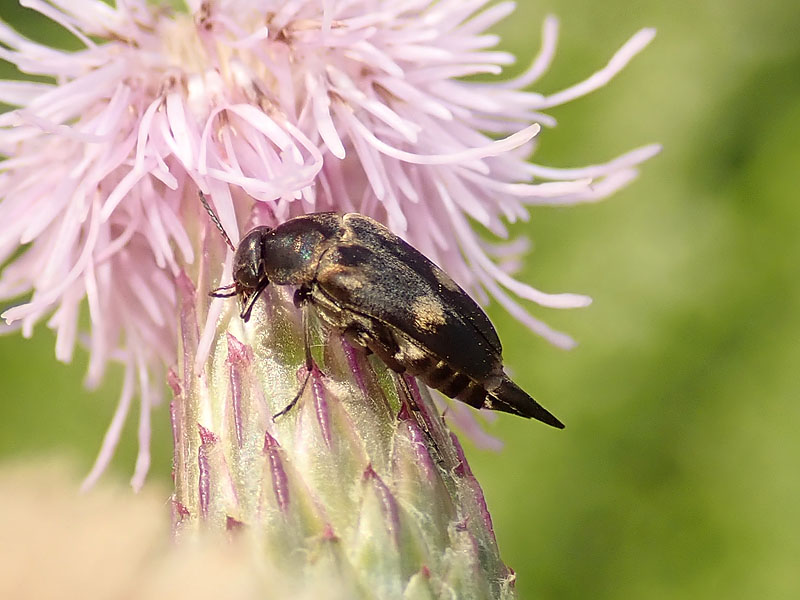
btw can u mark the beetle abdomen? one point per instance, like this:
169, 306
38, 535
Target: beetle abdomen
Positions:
496, 392
509, 397
441, 376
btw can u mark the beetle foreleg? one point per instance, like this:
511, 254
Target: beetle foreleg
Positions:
226, 291
250, 301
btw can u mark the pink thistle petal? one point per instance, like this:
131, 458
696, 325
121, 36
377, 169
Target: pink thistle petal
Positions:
112, 436
143, 456
542, 61
618, 62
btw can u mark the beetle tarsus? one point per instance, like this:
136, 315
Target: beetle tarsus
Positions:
250, 301
313, 369
226, 291
296, 398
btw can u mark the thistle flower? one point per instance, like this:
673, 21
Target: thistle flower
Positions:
275, 109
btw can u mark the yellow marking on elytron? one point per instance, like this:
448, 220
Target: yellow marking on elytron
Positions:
345, 277
428, 313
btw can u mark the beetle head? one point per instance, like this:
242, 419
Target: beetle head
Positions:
249, 274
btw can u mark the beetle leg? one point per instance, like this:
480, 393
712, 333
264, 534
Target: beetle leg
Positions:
226, 291
250, 301
301, 299
302, 295
357, 338
376, 339
306, 337
297, 397
383, 344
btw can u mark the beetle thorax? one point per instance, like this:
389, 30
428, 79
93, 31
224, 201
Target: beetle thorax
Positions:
292, 251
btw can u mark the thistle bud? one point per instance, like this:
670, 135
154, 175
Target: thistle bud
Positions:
361, 478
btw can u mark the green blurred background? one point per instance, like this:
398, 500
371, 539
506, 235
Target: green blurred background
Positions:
677, 475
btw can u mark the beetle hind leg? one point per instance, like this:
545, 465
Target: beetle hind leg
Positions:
374, 338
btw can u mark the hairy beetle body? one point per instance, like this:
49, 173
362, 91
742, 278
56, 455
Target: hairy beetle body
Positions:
384, 296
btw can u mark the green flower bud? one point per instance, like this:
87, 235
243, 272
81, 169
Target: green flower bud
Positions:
362, 479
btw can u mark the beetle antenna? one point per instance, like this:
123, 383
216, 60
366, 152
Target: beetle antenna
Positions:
216, 221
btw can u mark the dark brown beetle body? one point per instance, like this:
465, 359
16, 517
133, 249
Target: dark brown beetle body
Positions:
385, 296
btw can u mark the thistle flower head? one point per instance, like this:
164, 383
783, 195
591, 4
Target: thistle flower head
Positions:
273, 109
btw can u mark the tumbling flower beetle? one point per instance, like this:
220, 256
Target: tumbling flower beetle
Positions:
384, 296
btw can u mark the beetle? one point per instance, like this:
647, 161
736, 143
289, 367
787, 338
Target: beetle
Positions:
383, 296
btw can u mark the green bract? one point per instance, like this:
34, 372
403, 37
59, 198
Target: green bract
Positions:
352, 481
